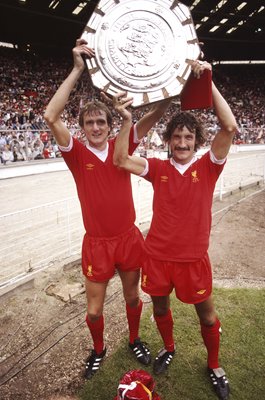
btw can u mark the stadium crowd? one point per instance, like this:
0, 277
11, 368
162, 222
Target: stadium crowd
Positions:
29, 81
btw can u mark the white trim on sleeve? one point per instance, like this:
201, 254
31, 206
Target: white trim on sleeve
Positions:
146, 169
135, 135
69, 147
214, 159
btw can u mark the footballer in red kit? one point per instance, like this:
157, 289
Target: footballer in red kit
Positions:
107, 209
177, 243
112, 242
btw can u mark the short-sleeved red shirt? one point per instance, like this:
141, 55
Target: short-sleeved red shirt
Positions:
181, 223
104, 191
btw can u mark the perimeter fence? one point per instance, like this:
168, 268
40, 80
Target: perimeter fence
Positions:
39, 237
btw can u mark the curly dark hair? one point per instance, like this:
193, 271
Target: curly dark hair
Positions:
187, 119
94, 106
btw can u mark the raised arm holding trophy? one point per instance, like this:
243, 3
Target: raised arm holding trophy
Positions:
112, 242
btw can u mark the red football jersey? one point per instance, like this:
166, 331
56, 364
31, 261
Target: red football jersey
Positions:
181, 223
104, 191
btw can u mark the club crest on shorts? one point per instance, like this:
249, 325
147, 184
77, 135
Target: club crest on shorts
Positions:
144, 280
89, 270
202, 291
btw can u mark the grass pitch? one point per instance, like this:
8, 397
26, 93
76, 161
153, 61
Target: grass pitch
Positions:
242, 353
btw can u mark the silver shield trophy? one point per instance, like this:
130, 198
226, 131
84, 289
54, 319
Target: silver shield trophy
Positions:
143, 47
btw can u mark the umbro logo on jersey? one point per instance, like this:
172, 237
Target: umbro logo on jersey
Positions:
90, 167
195, 178
164, 178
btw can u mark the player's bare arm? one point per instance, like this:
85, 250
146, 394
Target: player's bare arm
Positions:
149, 119
57, 104
223, 139
121, 157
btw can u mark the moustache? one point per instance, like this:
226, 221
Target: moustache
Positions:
182, 148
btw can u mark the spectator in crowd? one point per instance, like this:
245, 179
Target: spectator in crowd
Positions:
17, 155
178, 239
261, 136
6, 155
52, 148
22, 146
112, 241
44, 137
56, 149
28, 81
37, 149
3, 141
46, 152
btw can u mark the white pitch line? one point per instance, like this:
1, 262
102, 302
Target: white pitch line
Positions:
236, 202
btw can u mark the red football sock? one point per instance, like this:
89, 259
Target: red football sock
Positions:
211, 338
165, 326
96, 329
133, 317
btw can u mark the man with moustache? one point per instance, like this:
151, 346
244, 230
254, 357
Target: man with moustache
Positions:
177, 243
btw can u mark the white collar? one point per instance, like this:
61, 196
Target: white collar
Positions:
101, 154
183, 167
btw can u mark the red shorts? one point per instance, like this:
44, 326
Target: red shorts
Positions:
101, 256
192, 281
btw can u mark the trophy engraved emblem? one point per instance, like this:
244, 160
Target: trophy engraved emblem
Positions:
143, 47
